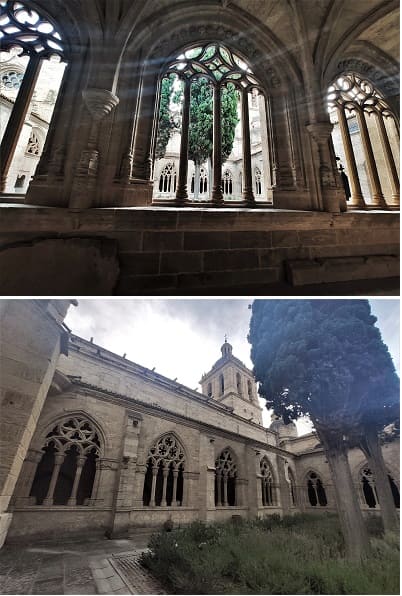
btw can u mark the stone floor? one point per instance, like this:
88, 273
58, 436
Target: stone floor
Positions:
89, 567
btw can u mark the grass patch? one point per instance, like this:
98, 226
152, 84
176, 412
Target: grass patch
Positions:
300, 554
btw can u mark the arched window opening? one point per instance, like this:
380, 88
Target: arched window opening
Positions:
215, 96
227, 184
316, 491
364, 136
267, 483
20, 181
164, 479
395, 491
33, 146
209, 390
238, 384
167, 180
258, 186
221, 384
225, 480
31, 60
66, 472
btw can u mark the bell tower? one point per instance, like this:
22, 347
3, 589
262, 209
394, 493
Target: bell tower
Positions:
230, 382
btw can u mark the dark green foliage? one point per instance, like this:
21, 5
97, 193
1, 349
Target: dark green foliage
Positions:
298, 555
166, 124
325, 359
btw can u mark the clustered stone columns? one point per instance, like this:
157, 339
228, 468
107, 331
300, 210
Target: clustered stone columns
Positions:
17, 118
181, 193
217, 196
153, 487
389, 159
99, 103
356, 199
248, 195
377, 199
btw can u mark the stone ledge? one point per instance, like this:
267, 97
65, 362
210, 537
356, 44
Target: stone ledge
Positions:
302, 272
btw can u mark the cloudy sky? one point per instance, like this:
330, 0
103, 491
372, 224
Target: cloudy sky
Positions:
182, 337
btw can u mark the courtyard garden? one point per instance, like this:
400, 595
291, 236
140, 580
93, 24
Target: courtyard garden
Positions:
301, 554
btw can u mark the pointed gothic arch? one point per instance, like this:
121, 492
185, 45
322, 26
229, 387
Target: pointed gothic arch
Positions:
164, 477
65, 474
225, 478
268, 488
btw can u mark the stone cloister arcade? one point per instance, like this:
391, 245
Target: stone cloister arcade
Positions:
112, 160
87, 141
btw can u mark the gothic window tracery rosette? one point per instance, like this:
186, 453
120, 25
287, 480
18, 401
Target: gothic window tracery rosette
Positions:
33, 146
168, 452
352, 92
25, 28
217, 64
265, 470
225, 464
77, 432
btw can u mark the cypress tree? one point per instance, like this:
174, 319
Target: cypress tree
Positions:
326, 359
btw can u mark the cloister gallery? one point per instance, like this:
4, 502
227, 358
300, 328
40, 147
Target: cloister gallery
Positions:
95, 443
273, 150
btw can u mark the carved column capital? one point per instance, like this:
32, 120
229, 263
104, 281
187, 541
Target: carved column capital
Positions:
99, 102
320, 131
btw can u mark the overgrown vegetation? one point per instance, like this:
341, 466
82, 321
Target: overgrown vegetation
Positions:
301, 554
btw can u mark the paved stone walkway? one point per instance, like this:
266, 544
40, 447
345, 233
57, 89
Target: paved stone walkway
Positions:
76, 568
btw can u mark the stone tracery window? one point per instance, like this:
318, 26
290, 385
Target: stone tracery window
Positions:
66, 472
315, 490
258, 186
227, 183
164, 481
225, 479
32, 47
369, 491
33, 146
292, 487
267, 483
218, 66
364, 132
167, 179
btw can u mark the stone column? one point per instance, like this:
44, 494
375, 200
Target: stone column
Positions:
174, 493
95, 486
17, 118
219, 488
73, 497
377, 199
181, 192
332, 195
217, 196
225, 490
389, 159
356, 200
248, 195
99, 103
58, 461
153, 488
165, 475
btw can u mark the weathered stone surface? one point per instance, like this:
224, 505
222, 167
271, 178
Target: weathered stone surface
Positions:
86, 266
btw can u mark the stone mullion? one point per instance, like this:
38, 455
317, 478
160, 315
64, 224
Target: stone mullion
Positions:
357, 199
219, 487
217, 196
181, 193
73, 497
153, 487
174, 493
95, 486
389, 159
225, 490
375, 184
165, 475
248, 195
59, 459
17, 118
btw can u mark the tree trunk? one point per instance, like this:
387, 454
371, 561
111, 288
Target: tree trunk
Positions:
196, 181
370, 445
351, 519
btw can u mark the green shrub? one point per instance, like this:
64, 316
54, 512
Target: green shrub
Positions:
299, 554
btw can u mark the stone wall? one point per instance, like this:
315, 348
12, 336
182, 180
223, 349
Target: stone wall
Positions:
187, 250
